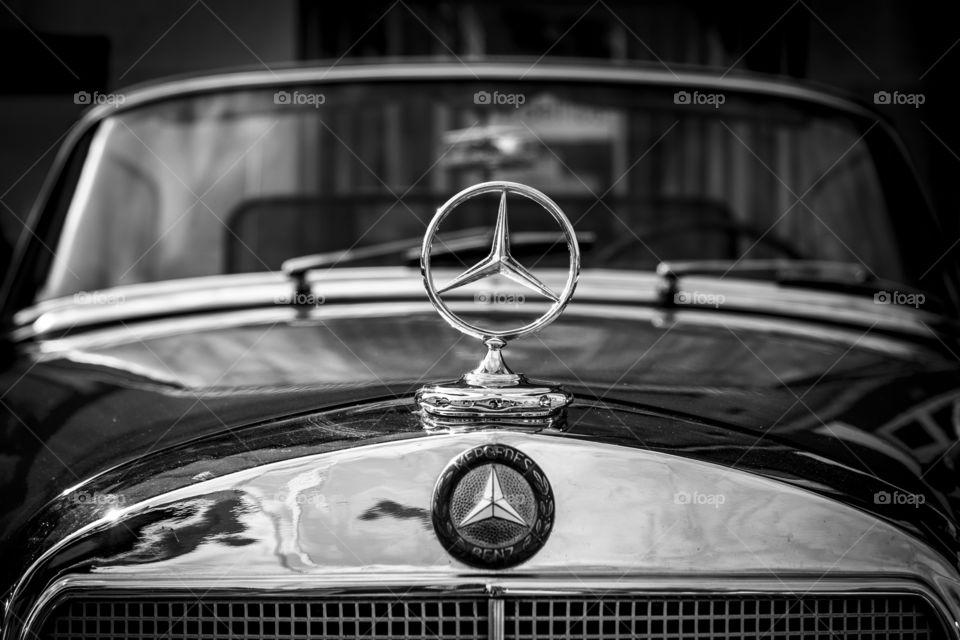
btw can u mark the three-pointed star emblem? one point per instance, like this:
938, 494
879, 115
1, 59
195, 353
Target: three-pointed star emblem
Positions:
493, 504
499, 261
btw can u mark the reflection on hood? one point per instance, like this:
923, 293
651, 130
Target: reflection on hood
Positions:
166, 533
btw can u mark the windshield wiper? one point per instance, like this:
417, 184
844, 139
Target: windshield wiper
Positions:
451, 245
469, 239
846, 277
779, 270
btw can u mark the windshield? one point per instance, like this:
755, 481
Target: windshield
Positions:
240, 181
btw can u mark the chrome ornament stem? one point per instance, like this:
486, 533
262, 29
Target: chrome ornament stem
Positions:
493, 371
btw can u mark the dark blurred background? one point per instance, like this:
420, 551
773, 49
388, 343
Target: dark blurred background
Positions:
51, 49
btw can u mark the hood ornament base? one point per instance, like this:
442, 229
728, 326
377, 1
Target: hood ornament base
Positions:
492, 395
461, 406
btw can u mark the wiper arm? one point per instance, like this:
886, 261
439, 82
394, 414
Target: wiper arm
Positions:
843, 276
451, 245
463, 240
297, 268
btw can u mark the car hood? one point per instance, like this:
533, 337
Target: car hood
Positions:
153, 407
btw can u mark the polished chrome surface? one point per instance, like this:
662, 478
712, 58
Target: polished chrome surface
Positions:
496, 623
500, 261
522, 617
492, 389
626, 518
411, 69
344, 290
453, 406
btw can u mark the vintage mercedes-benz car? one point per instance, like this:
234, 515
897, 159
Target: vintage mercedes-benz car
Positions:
489, 350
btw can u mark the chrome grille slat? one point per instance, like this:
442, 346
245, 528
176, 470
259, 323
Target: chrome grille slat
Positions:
581, 617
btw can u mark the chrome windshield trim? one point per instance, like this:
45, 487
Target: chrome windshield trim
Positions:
270, 295
71, 347
520, 70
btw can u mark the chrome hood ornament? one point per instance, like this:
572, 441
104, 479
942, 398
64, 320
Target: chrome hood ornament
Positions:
492, 393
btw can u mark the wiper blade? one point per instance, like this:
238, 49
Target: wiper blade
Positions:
295, 267
452, 245
844, 277
777, 270
467, 239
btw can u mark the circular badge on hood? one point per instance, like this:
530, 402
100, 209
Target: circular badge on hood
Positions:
492, 507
